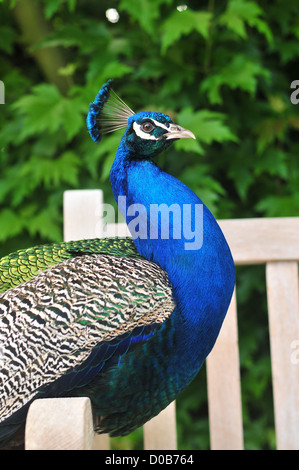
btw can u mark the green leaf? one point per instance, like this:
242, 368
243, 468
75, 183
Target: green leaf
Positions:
70, 117
40, 109
274, 206
242, 176
288, 51
242, 72
49, 172
87, 37
45, 110
182, 23
7, 37
145, 12
189, 145
241, 12
68, 70
109, 148
208, 126
198, 177
45, 224
269, 131
273, 162
113, 69
10, 223
107, 166
52, 6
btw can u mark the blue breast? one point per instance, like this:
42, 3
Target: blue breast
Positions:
196, 257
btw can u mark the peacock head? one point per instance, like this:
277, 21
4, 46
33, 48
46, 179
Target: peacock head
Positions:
147, 133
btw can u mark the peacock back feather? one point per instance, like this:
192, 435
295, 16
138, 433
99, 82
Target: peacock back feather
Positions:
102, 297
24, 264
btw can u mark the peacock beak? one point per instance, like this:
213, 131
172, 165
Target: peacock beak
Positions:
178, 132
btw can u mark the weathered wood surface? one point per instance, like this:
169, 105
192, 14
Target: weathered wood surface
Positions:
59, 424
224, 388
257, 241
283, 310
160, 431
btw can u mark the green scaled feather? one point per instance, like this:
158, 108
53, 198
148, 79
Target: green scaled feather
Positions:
23, 265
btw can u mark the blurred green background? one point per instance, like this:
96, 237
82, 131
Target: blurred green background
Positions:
220, 68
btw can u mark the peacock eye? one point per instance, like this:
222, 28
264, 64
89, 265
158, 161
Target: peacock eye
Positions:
147, 126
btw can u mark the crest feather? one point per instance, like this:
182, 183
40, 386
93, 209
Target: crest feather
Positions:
107, 113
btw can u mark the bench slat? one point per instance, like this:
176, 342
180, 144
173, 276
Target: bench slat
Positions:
59, 424
224, 390
283, 310
257, 241
160, 431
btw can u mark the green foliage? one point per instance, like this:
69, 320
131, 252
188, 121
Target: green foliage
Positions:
239, 14
222, 69
54, 112
182, 23
144, 12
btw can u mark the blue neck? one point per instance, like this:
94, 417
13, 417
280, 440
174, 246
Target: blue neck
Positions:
201, 270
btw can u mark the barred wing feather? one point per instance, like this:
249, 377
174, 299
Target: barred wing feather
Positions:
50, 324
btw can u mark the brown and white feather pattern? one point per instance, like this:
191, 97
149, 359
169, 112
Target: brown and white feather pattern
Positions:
50, 324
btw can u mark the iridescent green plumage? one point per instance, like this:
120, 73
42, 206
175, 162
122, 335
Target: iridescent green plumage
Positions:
23, 265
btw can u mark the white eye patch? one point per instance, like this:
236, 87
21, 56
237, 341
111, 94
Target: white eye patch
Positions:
145, 135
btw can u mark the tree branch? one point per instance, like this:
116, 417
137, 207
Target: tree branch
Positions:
35, 28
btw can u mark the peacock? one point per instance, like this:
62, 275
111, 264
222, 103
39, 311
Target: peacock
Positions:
127, 322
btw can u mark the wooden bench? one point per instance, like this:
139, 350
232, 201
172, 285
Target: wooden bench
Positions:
67, 423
